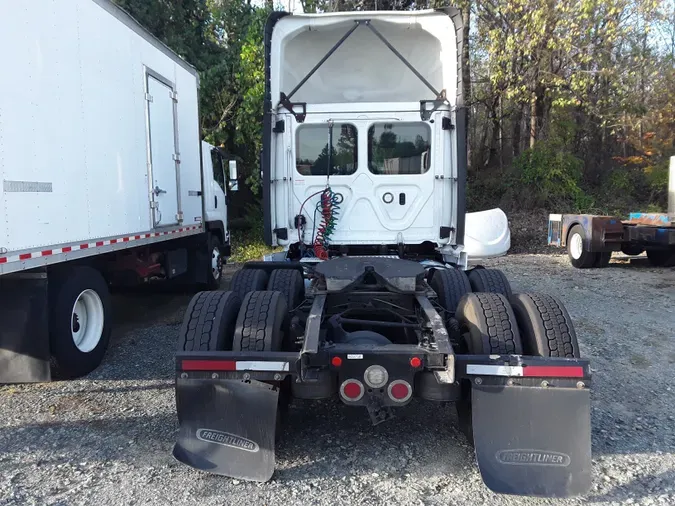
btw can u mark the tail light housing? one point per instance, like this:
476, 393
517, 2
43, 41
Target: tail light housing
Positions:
399, 391
376, 376
352, 390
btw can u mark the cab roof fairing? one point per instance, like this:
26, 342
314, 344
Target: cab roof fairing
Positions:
427, 39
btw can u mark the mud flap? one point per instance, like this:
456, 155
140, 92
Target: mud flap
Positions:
533, 440
227, 427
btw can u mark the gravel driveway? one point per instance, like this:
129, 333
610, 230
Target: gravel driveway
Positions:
107, 439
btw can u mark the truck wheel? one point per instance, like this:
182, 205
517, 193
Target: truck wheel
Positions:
489, 324
262, 325
661, 257
489, 327
262, 322
216, 262
79, 321
602, 259
490, 281
450, 286
580, 257
290, 283
545, 326
632, 249
208, 324
248, 280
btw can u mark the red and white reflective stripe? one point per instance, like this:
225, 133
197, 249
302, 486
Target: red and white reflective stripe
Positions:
532, 371
91, 245
233, 365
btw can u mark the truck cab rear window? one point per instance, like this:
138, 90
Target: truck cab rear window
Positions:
399, 148
311, 158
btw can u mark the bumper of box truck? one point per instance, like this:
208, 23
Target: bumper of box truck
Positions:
530, 415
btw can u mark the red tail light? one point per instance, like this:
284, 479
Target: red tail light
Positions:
399, 391
352, 390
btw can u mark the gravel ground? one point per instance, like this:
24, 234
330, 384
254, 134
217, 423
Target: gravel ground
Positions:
107, 439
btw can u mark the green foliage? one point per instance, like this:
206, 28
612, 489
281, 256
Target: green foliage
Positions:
551, 177
251, 81
248, 242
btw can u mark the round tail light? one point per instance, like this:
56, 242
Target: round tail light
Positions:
399, 391
376, 376
352, 390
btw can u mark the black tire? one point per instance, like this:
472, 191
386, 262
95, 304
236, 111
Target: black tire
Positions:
262, 325
632, 249
546, 328
490, 281
262, 322
208, 324
489, 324
450, 286
290, 283
65, 288
602, 259
581, 259
214, 275
661, 257
248, 280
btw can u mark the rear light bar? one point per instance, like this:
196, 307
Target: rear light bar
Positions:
233, 365
528, 371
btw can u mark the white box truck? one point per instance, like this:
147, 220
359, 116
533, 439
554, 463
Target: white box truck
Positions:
104, 180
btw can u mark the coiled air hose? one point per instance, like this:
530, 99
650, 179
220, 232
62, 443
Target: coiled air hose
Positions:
329, 207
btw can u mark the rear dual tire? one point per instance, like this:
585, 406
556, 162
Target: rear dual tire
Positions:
248, 280
451, 285
529, 324
490, 281
209, 322
220, 321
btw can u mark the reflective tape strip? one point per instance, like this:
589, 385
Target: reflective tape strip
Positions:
208, 365
494, 370
553, 371
92, 245
262, 366
530, 371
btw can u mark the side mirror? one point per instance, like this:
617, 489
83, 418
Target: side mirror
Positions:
234, 183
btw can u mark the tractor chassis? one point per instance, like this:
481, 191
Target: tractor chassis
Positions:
228, 401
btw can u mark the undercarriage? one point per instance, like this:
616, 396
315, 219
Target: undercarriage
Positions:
379, 333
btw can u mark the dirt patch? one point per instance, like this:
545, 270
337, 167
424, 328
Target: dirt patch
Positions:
529, 232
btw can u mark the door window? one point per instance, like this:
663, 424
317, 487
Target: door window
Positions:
217, 163
311, 157
399, 148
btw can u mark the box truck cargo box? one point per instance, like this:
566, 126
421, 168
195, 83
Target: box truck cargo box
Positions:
104, 179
